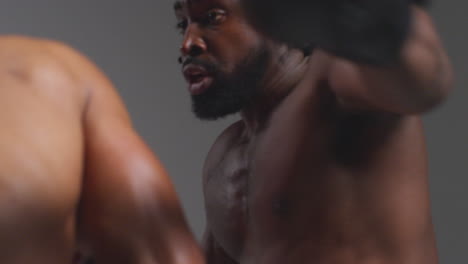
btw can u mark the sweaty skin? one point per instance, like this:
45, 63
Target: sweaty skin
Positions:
75, 176
327, 168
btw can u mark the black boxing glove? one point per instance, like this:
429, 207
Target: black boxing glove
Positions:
365, 31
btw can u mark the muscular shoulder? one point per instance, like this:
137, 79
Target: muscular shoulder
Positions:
37, 59
228, 138
45, 63
30, 58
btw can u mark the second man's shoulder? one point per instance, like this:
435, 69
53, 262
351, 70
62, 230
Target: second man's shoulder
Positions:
39, 59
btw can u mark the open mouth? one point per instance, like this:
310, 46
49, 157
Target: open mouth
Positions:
198, 78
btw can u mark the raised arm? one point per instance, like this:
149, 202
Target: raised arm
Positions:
382, 55
419, 80
129, 211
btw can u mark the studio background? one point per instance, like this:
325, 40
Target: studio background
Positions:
136, 45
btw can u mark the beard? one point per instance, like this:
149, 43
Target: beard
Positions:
230, 93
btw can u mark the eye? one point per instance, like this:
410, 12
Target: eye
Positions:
181, 26
215, 16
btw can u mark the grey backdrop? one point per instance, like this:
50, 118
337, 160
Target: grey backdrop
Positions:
135, 43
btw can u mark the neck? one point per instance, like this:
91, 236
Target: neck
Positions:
287, 67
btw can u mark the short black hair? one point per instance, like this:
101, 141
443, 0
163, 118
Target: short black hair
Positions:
423, 3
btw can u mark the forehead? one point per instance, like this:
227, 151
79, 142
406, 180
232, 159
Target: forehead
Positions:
187, 6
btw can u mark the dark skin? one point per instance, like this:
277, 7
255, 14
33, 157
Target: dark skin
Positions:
328, 163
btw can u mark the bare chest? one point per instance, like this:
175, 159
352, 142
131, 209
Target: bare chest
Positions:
301, 178
226, 196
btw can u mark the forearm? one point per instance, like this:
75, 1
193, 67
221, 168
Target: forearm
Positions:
380, 55
418, 81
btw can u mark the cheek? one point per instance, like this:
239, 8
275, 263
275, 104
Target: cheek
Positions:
232, 48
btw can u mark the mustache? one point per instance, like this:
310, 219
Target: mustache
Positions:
208, 66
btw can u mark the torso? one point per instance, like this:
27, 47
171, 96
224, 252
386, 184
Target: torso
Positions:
319, 185
40, 156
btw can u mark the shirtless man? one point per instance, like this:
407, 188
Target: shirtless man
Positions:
74, 172
328, 162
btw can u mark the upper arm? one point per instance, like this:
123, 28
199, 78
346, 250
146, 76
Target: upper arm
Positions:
420, 81
129, 212
129, 205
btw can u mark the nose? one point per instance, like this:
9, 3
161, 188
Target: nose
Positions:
193, 44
